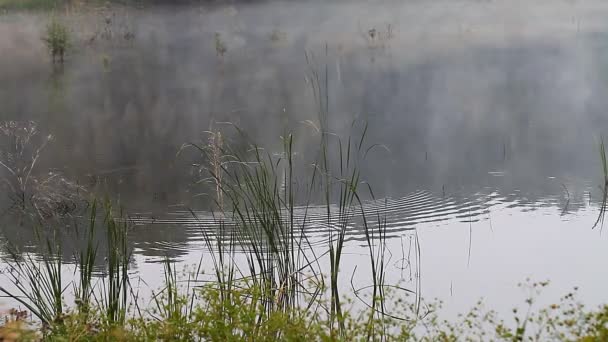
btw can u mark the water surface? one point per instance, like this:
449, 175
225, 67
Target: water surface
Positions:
488, 116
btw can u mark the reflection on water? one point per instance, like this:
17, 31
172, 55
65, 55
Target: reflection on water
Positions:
483, 112
175, 233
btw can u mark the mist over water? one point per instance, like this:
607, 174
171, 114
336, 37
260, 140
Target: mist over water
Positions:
487, 114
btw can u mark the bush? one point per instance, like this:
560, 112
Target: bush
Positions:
57, 39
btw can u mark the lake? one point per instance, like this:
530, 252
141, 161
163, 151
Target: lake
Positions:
482, 121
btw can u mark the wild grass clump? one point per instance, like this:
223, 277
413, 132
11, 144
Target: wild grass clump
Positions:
378, 37
40, 283
220, 45
603, 187
20, 149
46, 193
114, 28
30, 4
57, 39
280, 295
263, 202
204, 313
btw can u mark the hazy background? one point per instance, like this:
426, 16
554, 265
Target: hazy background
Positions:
490, 114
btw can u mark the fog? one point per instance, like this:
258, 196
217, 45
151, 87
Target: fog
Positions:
468, 99
485, 119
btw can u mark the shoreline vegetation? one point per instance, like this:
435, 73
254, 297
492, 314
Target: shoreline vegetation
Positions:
260, 279
59, 5
48, 5
23, 5
36, 5
232, 306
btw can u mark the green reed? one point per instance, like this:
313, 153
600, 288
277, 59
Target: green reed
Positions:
115, 294
39, 284
604, 187
264, 213
57, 39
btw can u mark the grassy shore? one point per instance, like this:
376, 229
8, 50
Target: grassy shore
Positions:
48, 5
179, 312
280, 290
31, 4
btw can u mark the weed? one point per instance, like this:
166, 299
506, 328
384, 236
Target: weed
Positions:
49, 194
116, 287
277, 35
220, 46
375, 37
38, 283
603, 187
57, 39
29, 4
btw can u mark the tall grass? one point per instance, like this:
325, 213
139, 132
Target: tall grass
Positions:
265, 213
604, 186
43, 193
115, 294
205, 314
22, 148
260, 207
57, 39
83, 289
279, 292
39, 284
30, 4
283, 264
264, 202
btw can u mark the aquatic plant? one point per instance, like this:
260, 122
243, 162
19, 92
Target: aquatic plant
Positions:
30, 4
204, 314
115, 287
57, 39
378, 37
220, 46
48, 193
277, 35
282, 294
264, 212
40, 284
19, 155
604, 186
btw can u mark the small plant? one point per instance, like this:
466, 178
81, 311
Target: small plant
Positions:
277, 35
105, 61
57, 39
20, 149
48, 193
39, 284
603, 187
379, 37
220, 46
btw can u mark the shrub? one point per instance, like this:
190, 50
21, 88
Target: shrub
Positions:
57, 39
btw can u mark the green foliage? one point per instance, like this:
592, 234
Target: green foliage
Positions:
116, 288
30, 4
220, 46
57, 39
38, 284
213, 317
604, 186
282, 295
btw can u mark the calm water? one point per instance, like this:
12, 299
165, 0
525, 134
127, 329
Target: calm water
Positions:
488, 115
